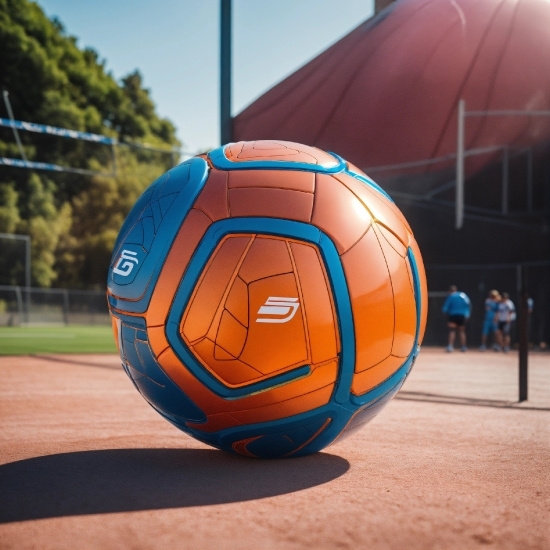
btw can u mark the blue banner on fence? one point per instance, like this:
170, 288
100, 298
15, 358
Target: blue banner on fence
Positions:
52, 130
16, 163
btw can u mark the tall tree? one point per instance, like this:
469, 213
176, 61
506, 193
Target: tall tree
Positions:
72, 219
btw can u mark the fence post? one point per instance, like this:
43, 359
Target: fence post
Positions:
523, 338
66, 306
19, 303
459, 190
28, 277
523, 330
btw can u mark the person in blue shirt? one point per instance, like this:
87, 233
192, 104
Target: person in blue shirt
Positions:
457, 308
489, 322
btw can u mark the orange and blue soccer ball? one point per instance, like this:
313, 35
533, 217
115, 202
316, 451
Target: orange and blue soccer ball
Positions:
267, 298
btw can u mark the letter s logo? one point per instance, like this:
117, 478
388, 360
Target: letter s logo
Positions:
283, 310
126, 268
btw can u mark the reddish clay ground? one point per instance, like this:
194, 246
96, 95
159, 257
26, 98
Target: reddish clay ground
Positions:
452, 462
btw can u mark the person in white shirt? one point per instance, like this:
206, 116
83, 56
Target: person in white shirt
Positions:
506, 313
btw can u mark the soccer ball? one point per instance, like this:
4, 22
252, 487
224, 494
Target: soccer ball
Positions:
267, 298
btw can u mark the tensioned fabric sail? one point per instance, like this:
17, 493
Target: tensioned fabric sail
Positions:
387, 92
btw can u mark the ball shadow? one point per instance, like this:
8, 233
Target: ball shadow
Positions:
124, 480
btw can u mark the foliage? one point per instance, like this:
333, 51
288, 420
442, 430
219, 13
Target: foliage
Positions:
72, 219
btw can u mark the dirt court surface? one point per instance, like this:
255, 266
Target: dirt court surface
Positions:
452, 462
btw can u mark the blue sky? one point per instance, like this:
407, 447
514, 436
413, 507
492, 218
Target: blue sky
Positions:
175, 45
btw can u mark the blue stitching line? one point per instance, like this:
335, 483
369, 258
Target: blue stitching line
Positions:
369, 182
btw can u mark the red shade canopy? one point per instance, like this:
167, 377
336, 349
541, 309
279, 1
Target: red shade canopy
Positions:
387, 92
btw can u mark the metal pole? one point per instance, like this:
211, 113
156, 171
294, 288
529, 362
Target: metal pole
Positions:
27, 240
19, 303
225, 72
15, 132
504, 207
28, 277
530, 180
379, 5
459, 190
66, 306
523, 338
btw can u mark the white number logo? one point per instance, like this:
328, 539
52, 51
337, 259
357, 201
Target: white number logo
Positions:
127, 266
283, 308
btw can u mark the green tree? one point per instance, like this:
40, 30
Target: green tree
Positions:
72, 219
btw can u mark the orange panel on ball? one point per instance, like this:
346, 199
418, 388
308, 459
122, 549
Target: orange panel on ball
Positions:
368, 379
266, 257
211, 287
183, 248
339, 213
371, 301
237, 301
382, 209
282, 179
213, 198
392, 240
115, 323
157, 339
290, 407
233, 149
272, 203
276, 337
278, 150
233, 373
316, 292
221, 355
403, 297
231, 334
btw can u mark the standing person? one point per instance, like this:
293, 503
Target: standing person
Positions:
505, 314
457, 308
489, 322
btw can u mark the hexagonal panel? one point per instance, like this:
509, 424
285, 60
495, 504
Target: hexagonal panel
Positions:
261, 307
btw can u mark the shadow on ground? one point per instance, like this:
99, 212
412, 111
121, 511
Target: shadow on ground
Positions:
123, 480
471, 401
112, 365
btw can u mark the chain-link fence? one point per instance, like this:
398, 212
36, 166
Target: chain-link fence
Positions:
22, 305
19, 305
476, 281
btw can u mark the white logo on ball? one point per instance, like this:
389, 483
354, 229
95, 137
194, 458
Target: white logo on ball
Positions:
283, 310
127, 266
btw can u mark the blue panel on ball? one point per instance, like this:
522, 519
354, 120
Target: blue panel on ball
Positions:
282, 228
148, 233
131, 321
152, 382
220, 161
287, 442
